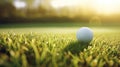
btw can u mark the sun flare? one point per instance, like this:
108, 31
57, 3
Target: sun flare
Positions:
106, 6
100, 6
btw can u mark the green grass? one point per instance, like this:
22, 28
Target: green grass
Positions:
58, 47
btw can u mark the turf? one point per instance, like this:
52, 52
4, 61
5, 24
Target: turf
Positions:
60, 49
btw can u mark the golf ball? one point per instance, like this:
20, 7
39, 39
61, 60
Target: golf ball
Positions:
85, 35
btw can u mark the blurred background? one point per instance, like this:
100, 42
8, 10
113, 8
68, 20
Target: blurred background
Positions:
84, 11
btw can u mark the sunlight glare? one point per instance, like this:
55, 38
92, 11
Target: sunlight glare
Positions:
106, 6
99, 6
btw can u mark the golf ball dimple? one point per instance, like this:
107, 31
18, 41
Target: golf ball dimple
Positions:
84, 34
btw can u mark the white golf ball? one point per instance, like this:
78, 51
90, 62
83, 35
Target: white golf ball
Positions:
84, 34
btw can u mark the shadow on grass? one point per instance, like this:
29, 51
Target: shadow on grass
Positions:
76, 47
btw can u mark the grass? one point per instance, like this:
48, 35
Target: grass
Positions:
59, 49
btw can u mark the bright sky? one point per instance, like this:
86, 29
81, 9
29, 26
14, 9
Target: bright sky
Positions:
19, 4
100, 6
36, 3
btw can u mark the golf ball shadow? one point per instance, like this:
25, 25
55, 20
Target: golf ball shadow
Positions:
76, 47
84, 36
